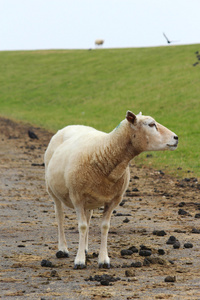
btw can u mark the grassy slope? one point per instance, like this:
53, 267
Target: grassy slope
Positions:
56, 88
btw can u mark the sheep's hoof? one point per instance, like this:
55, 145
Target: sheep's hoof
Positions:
62, 254
104, 265
79, 267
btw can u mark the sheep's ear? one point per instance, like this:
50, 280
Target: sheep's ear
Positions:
130, 117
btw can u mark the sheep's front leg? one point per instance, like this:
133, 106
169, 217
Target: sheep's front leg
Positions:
62, 243
83, 229
104, 260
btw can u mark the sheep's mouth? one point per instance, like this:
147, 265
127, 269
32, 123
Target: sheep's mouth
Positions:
174, 146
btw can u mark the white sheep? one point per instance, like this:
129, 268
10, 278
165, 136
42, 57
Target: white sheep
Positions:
87, 169
99, 42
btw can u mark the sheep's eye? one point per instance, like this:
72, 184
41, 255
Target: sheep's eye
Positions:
153, 125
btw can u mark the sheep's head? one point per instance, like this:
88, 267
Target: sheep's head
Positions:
148, 135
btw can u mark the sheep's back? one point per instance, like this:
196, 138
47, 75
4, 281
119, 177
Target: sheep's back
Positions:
72, 134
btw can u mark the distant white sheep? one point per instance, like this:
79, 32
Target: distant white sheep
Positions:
87, 169
99, 42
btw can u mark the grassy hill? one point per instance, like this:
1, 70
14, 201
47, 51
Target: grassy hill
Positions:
96, 87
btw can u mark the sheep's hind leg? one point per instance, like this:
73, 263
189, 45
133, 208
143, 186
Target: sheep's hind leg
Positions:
62, 243
88, 216
79, 262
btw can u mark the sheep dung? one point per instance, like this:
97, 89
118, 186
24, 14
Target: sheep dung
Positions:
159, 232
126, 252
46, 263
161, 251
145, 253
136, 264
171, 240
176, 245
188, 245
170, 279
133, 249
194, 230
182, 212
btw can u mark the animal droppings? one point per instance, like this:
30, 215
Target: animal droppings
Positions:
194, 230
122, 203
146, 262
126, 220
133, 249
171, 240
182, 212
104, 279
54, 273
176, 245
161, 251
181, 204
180, 231
126, 252
46, 263
170, 279
122, 215
145, 253
37, 165
188, 245
136, 264
143, 247
159, 232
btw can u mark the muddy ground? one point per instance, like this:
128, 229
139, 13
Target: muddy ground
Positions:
154, 202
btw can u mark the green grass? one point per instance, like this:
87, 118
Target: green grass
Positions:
55, 88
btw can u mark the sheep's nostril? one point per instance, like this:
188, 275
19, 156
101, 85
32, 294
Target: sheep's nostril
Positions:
176, 137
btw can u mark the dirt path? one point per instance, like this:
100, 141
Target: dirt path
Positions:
154, 202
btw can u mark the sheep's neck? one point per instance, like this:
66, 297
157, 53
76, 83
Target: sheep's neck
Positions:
115, 153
